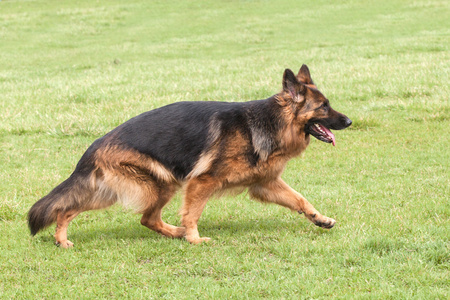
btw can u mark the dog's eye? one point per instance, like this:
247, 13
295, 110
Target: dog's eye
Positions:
325, 105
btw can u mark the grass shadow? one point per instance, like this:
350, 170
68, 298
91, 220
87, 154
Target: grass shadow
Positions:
261, 226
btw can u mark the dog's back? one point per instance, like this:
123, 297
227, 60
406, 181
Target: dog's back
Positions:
176, 134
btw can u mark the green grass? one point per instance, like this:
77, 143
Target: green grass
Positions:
70, 71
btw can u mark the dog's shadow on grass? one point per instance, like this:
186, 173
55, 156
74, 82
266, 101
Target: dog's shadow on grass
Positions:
269, 227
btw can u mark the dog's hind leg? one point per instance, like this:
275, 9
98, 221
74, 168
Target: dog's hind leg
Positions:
62, 222
83, 198
152, 215
281, 193
197, 193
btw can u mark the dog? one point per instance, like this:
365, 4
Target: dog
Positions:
203, 148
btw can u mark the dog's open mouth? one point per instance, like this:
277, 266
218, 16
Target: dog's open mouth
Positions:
322, 133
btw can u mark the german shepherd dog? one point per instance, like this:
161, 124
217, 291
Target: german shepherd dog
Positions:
201, 147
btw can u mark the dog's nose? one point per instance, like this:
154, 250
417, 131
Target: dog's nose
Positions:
348, 122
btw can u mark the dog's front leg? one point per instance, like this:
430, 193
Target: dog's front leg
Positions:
279, 192
197, 192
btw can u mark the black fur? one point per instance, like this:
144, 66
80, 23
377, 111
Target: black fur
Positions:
176, 134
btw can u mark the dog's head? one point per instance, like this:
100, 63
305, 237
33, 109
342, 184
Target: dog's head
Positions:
311, 109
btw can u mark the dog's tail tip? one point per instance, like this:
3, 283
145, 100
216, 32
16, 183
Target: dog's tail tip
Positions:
40, 216
44, 212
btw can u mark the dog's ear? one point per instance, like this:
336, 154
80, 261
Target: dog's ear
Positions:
304, 76
291, 86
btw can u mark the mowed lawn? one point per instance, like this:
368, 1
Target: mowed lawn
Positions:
70, 71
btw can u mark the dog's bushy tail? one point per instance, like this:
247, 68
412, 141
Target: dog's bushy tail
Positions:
69, 195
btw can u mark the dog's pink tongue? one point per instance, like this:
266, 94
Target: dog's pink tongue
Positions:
330, 134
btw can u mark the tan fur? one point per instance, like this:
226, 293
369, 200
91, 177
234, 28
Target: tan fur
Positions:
207, 157
113, 157
62, 222
197, 192
129, 177
203, 164
279, 192
152, 215
259, 141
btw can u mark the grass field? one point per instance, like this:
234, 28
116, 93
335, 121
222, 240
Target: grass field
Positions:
70, 71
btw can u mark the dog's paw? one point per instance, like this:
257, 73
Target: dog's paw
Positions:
199, 240
328, 223
321, 221
64, 244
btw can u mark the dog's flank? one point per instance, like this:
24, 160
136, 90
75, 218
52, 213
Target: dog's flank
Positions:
203, 148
